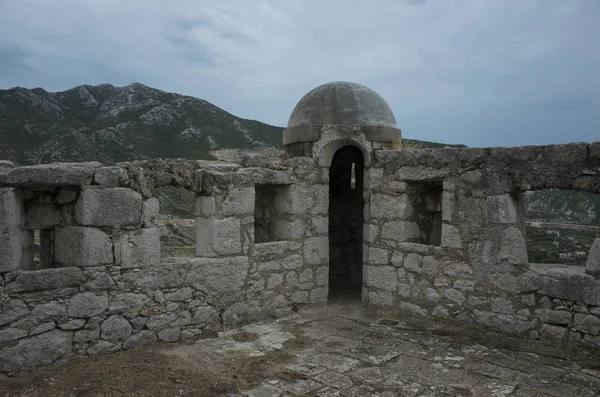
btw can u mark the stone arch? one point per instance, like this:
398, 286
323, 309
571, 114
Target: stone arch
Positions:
326, 153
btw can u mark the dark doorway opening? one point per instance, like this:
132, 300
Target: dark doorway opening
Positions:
346, 224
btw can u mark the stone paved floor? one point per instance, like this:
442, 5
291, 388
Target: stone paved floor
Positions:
348, 351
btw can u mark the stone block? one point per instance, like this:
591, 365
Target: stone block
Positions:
87, 304
143, 338
412, 308
319, 295
501, 305
42, 216
47, 279
138, 248
447, 206
242, 313
52, 175
454, 296
385, 206
37, 351
108, 176
205, 206
316, 250
553, 331
374, 178
378, 256
587, 323
51, 310
592, 265
413, 262
150, 211
239, 201
206, 317
501, 209
13, 310
218, 237
381, 298
451, 236
381, 277
513, 248
504, 322
11, 253
104, 347
557, 317
303, 199
128, 304
218, 276
169, 335
400, 231
116, 206
82, 246
115, 329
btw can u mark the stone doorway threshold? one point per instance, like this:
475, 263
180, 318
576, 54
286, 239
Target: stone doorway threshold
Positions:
339, 350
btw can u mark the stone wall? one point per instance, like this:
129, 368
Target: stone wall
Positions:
478, 272
103, 287
443, 236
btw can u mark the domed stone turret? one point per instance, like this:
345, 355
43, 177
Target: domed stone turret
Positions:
339, 103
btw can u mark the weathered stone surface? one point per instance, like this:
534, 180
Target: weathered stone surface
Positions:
381, 298
43, 327
400, 231
100, 281
218, 237
87, 304
451, 236
205, 317
381, 277
50, 175
592, 265
115, 206
115, 328
8, 336
11, 220
205, 206
108, 176
390, 207
553, 331
558, 317
181, 295
413, 262
412, 308
37, 351
138, 248
104, 347
454, 296
501, 209
169, 320
143, 338
239, 201
501, 305
150, 210
72, 325
504, 322
242, 313
378, 256
169, 335
513, 248
51, 310
47, 279
587, 323
218, 276
302, 199
316, 250
82, 246
128, 304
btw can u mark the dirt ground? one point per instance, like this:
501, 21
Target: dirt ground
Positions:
338, 351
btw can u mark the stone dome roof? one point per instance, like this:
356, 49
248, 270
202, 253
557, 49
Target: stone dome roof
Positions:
341, 102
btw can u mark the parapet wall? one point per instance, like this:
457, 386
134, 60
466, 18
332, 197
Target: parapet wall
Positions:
443, 236
101, 285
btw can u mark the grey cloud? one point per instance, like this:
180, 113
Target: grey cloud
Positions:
14, 60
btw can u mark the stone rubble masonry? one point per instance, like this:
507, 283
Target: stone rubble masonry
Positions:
108, 288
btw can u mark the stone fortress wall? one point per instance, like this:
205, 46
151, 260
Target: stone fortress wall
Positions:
443, 236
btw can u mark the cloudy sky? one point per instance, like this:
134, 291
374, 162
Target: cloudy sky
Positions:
478, 72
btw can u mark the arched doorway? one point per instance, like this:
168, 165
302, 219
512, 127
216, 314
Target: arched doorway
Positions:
346, 224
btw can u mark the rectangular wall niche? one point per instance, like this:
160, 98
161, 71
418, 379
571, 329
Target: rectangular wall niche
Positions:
265, 213
426, 199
